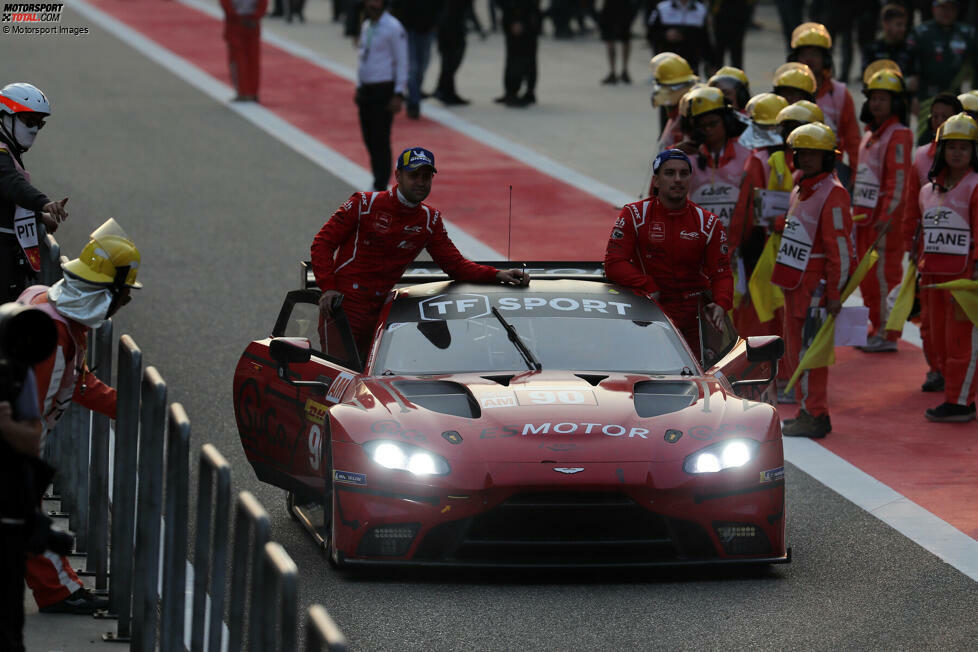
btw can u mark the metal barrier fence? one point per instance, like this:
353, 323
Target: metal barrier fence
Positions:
123, 540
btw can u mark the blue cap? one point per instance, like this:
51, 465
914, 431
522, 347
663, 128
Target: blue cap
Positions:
414, 157
670, 155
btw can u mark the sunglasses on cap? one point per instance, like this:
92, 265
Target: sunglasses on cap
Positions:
31, 119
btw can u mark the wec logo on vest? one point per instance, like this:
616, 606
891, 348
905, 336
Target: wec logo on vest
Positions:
946, 232
718, 198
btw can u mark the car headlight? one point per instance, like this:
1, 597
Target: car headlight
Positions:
728, 454
405, 457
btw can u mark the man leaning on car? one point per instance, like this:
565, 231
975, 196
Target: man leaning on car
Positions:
672, 249
364, 247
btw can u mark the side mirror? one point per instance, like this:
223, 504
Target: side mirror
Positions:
290, 349
765, 348
285, 350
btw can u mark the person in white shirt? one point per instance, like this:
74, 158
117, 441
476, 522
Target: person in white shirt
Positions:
381, 83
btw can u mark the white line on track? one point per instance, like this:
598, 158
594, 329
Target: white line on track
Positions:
894, 509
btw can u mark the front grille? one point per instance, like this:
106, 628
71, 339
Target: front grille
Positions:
566, 527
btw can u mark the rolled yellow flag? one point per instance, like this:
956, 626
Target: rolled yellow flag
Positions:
904, 302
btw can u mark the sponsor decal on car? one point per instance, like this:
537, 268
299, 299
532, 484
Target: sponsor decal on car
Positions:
672, 435
316, 412
492, 400
583, 428
349, 477
472, 306
339, 386
772, 475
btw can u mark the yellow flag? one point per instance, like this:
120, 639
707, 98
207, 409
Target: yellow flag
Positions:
821, 352
965, 292
766, 296
904, 303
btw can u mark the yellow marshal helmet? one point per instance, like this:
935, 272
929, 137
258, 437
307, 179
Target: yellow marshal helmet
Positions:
801, 111
885, 80
109, 253
880, 64
684, 100
958, 127
811, 34
703, 100
969, 101
669, 68
812, 136
765, 108
795, 75
729, 72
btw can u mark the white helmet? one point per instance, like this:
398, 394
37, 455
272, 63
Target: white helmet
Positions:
21, 97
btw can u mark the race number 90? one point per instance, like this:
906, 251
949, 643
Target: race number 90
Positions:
559, 397
315, 446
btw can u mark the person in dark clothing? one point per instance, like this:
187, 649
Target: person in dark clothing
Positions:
843, 17
521, 23
616, 27
680, 26
730, 21
560, 13
419, 18
790, 13
23, 110
893, 44
451, 47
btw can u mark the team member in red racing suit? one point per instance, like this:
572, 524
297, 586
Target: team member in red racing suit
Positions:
242, 31
672, 249
816, 245
94, 287
362, 250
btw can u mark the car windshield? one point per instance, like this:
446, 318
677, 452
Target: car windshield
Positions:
436, 335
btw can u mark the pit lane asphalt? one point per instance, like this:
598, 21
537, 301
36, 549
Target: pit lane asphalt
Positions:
222, 212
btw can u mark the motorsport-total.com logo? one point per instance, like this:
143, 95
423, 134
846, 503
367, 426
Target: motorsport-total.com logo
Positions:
32, 12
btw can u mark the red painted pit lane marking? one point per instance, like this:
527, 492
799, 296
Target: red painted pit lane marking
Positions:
550, 220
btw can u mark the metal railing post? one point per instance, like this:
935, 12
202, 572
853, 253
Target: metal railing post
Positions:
98, 478
152, 424
123, 485
73, 450
281, 579
210, 550
251, 533
175, 542
322, 634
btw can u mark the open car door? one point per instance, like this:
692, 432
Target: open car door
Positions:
750, 365
283, 387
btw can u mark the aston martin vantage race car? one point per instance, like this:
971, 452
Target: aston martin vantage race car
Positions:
562, 424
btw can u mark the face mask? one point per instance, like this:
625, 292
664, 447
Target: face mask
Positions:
80, 301
24, 135
756, 136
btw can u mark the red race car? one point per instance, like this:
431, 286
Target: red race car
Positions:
562, 424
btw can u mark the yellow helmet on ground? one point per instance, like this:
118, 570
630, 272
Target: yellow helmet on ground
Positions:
969, 101
110, 258
811, 34
765, 108
812, 136
885, 80
795, 75
801, 111
958, 127
669, 68
703, 100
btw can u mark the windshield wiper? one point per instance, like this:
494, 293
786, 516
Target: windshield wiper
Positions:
514, 337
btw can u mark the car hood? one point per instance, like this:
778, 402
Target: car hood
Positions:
552, 416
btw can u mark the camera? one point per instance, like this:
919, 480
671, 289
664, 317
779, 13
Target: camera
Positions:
27, 336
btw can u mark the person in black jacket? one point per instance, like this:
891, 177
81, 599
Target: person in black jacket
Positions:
419, 17
521, 24
451, 47
680, 26
893, 43
23, 110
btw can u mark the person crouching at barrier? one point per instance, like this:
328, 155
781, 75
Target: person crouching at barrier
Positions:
879, 194
95, 286
816, 252
949, 209
23, 110
673, 250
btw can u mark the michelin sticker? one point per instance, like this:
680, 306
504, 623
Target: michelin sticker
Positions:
772, 475
349, 477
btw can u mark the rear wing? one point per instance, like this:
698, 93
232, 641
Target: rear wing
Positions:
426, 272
